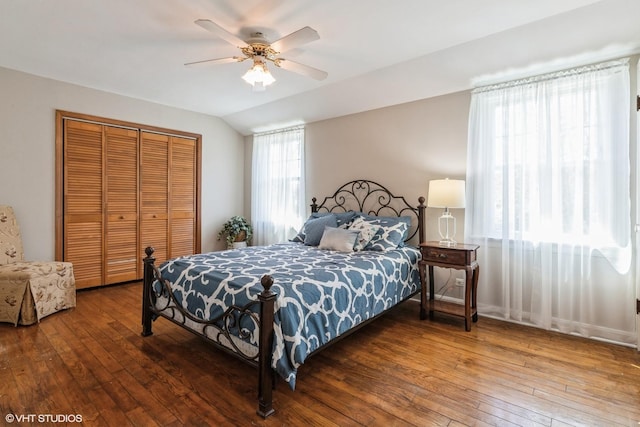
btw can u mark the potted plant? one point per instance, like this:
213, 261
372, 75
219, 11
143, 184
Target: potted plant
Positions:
237, 232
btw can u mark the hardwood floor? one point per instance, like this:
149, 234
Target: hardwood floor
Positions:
92, 361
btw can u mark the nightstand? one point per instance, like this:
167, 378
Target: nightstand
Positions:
460, 257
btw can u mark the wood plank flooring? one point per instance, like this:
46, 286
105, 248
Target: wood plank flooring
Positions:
92, 361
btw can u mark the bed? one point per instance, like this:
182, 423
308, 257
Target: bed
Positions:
275, 306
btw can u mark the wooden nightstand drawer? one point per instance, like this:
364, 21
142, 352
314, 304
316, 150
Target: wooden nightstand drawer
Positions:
446, 256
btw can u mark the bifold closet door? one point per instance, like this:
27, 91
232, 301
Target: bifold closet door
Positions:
121, 196
168, 195
83, 202
154, 194
101, 203
182, 205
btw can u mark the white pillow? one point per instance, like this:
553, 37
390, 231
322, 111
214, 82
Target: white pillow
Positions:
366, 231
338, 239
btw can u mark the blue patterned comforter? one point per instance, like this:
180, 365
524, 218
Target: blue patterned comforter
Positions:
321, 293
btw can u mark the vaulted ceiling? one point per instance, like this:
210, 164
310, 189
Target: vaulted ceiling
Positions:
376, 52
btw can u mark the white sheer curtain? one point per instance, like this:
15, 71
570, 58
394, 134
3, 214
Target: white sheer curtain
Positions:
548, 199
277, 185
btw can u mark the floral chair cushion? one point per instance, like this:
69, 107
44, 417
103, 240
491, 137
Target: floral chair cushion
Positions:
30, 291
10, 239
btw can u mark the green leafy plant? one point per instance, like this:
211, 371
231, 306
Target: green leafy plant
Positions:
236, 229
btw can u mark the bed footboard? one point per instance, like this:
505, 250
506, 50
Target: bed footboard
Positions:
231, 318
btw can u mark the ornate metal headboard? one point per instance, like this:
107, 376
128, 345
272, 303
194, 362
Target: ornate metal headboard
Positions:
369, 197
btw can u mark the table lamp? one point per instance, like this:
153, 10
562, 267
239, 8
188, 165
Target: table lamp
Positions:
447, 194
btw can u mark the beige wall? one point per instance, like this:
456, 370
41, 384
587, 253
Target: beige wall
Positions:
27, 152
401, 147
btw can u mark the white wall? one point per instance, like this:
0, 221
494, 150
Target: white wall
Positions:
27, 153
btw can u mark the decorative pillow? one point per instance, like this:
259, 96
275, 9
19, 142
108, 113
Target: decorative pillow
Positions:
342, 218
393, 231
314, 228
338, 239
366, 232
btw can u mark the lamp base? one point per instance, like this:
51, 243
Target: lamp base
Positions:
449, 243
446, 224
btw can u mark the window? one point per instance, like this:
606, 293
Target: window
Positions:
548, 198
549, 159
277, 201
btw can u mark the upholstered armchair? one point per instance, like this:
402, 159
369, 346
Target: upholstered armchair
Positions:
29, 291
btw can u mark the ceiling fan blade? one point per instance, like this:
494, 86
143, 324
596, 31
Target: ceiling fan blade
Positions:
295, 39
218, 60
305, 70
221, 32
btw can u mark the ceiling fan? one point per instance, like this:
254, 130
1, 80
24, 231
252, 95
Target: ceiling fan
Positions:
260, 51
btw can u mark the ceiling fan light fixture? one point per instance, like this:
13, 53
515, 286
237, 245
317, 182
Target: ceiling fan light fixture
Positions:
258, 76
259, 50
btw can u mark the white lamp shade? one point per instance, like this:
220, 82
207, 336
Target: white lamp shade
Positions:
446, 193
259, 75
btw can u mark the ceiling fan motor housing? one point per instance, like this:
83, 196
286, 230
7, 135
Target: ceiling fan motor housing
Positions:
259, 46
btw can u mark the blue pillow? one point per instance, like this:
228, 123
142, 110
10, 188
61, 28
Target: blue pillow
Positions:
393, 231
314, 228
342, 218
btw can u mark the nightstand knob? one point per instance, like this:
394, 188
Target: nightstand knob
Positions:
442, 255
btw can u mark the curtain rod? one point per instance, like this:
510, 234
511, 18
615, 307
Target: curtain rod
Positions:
553, 75
270, 132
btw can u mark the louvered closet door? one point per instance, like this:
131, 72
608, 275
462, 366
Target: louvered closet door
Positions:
119, 189
182, 197
121, 248
83, 204
154, 192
